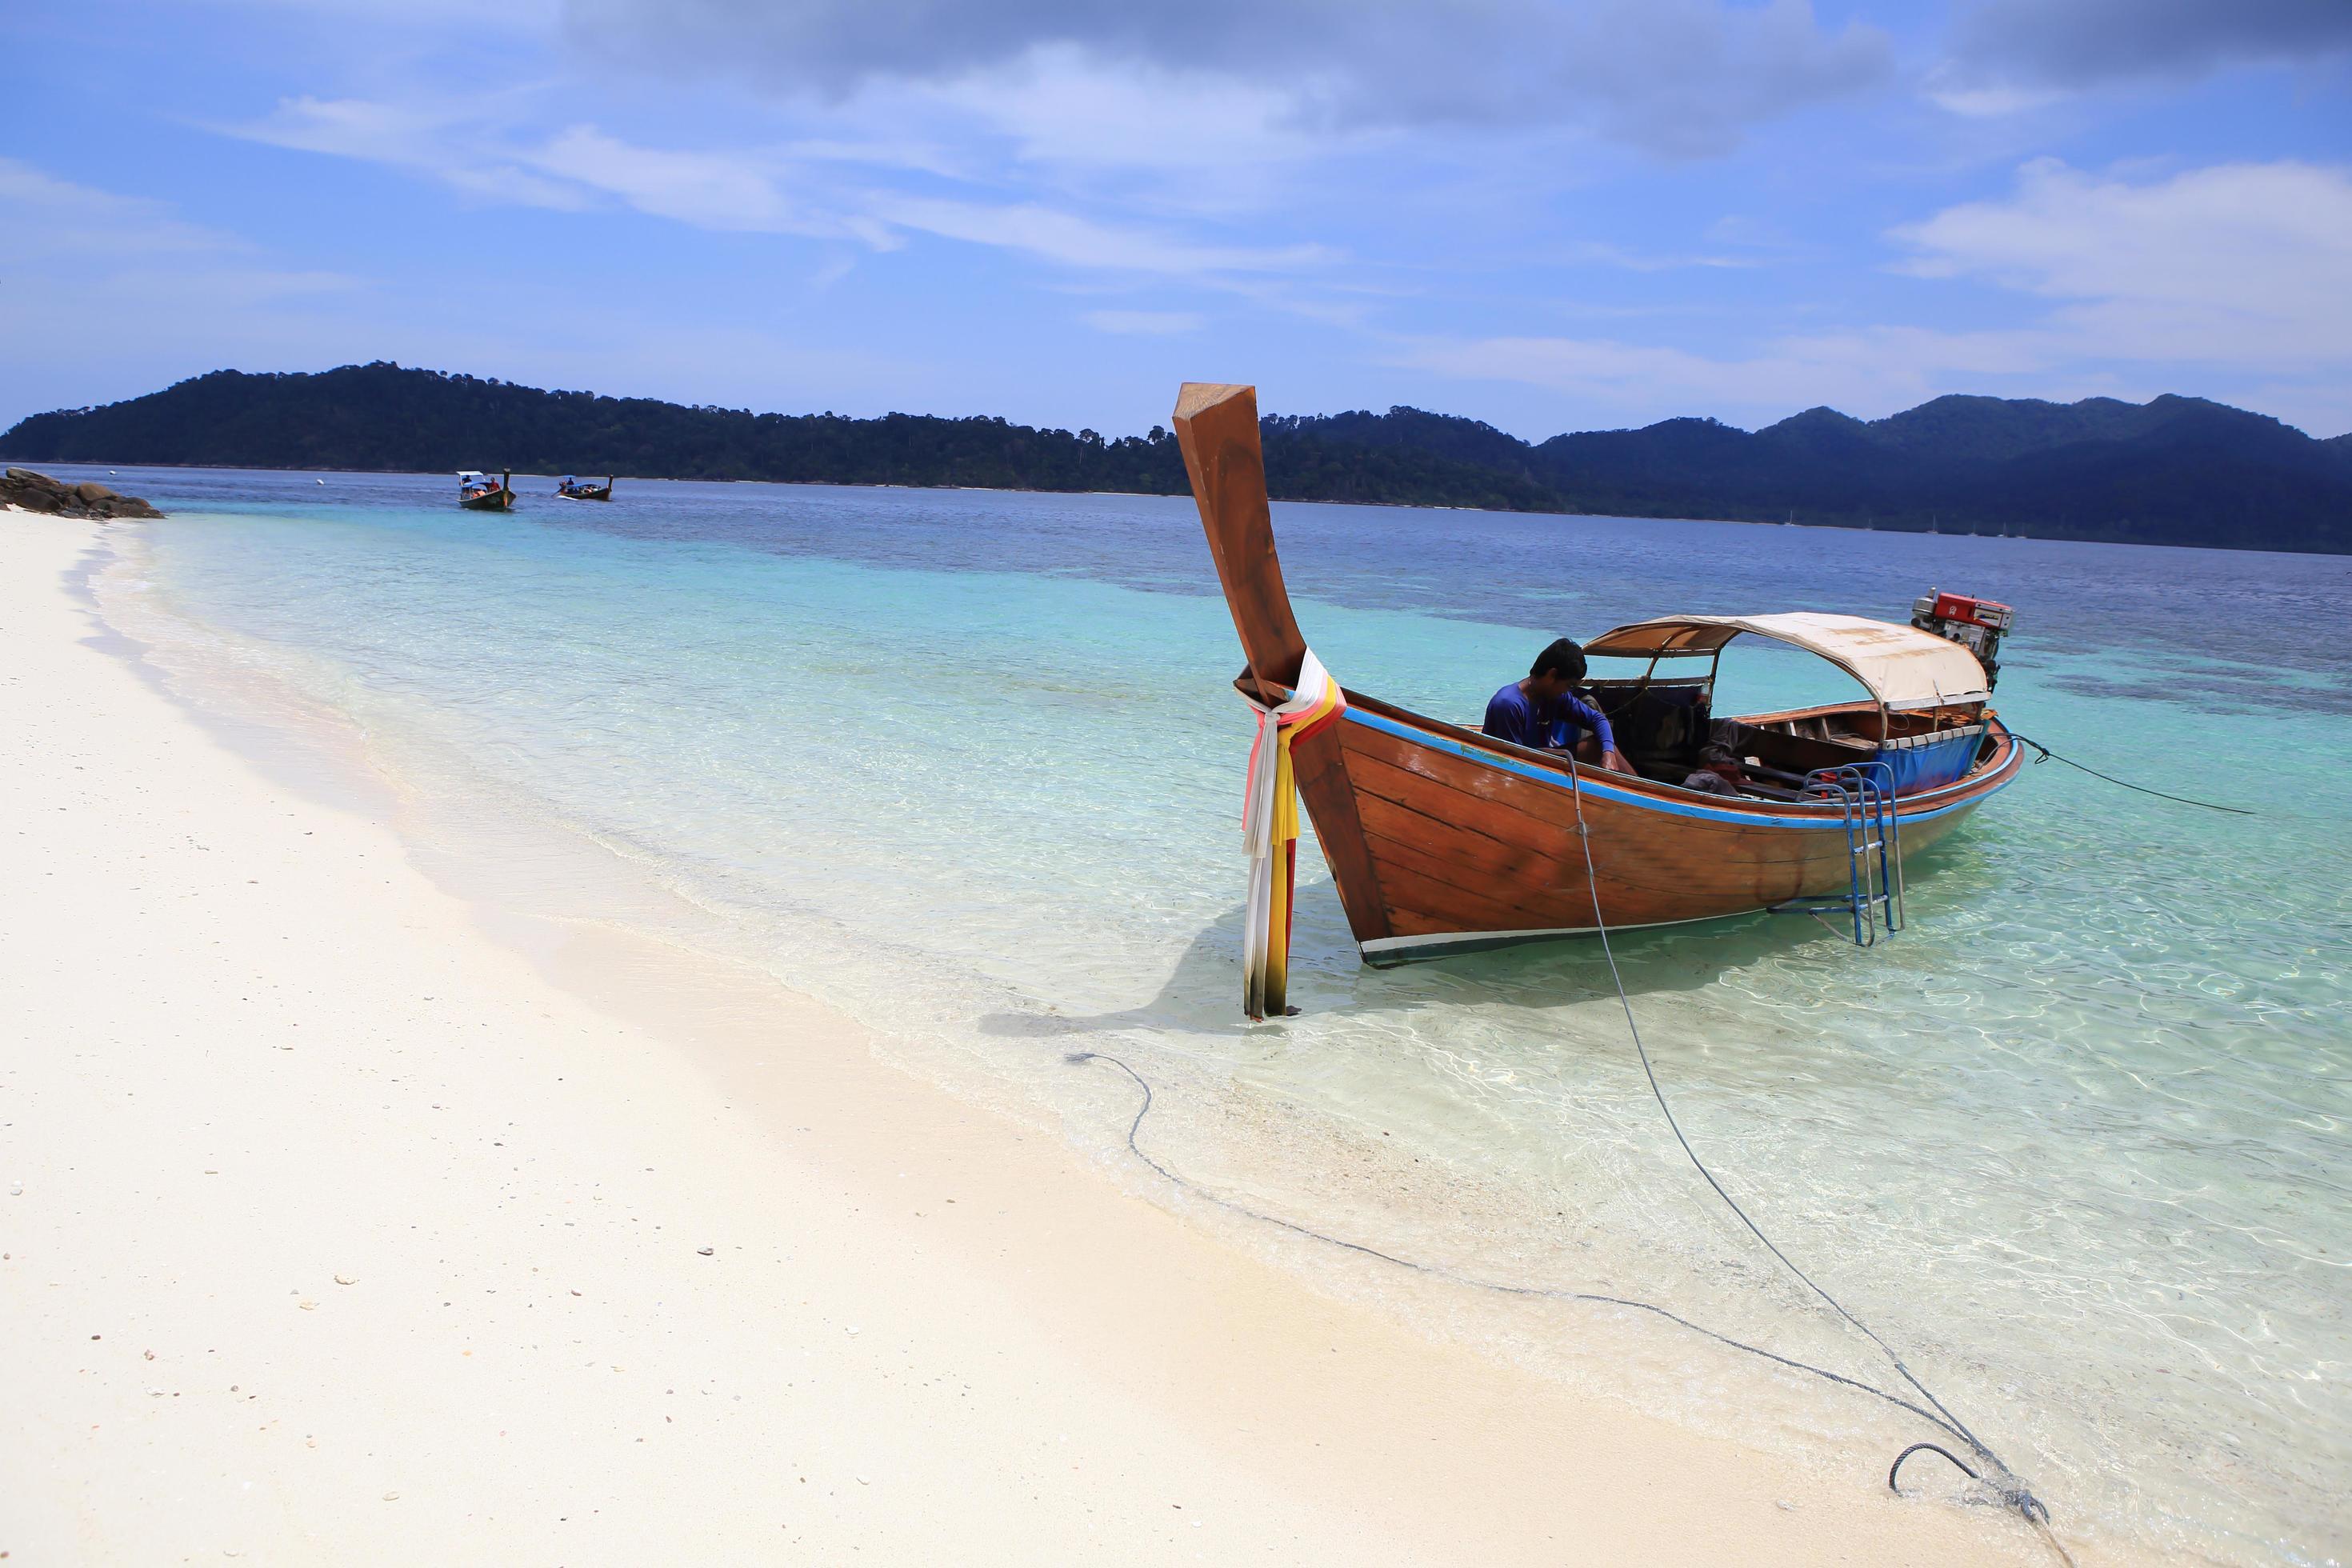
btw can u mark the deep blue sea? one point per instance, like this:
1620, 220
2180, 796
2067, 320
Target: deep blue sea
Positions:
967, 764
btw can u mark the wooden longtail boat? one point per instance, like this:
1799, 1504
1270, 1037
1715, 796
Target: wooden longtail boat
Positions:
476, 493
1441, 838
568, 491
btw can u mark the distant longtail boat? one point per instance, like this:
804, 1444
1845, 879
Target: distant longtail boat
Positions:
1441, 838
477, 493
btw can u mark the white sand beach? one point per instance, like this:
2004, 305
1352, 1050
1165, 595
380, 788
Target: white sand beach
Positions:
341, 1228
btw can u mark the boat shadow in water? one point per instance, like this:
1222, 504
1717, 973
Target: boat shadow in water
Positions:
1197, 998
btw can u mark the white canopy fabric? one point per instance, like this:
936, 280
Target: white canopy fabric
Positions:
1902, 666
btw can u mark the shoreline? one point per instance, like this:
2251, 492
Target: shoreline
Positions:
1393, 506
1005, 1295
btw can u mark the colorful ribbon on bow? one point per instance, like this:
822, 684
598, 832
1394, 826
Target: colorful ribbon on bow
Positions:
1270, 833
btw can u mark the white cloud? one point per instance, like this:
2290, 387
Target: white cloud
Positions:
1144, 323
1680, 77
2229, 276
1867, 372
54, 231
1071, 240
1648, 381
1985, 100
1915, 356
740, 191
1600, 253
458, 143
1061, 106
476, 146
902, 154
2238, 264
93, 284
54, 217
119, 296
707, 190
362, 128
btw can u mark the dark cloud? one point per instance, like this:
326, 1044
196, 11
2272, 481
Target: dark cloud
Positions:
1680, 77
2082, 43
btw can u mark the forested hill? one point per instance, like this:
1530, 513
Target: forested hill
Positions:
2176, 470
382, 417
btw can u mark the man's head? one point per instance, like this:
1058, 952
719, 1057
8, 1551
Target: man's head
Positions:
1723, 760
1556, 671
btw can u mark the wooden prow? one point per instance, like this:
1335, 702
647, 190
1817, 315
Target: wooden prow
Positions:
1216, 425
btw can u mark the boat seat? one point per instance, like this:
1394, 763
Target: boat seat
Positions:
1660, 726
1789, 754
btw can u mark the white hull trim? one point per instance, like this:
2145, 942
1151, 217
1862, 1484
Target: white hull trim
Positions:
1384, 951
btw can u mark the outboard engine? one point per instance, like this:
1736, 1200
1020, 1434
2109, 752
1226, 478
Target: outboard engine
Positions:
1977, 625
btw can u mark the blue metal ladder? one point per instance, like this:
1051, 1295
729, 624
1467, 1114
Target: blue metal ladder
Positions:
1864, 794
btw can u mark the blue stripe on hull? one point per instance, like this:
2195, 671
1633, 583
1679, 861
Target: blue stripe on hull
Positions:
1824, 819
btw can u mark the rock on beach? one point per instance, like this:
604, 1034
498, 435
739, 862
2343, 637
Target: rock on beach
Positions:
38, 493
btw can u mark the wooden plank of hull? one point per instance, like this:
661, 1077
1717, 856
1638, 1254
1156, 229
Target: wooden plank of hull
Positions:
1321, 772
1454, 845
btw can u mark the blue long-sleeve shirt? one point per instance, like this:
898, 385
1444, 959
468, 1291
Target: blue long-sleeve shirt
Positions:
1511, 716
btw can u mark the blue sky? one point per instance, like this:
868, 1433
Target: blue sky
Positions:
1548, 215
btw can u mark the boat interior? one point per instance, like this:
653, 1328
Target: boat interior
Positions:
1921, 720
1663, 726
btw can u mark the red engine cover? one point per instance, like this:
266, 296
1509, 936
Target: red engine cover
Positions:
1986, 613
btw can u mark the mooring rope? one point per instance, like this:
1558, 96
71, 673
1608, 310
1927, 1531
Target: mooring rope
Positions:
2013, 1496
2049, 755
1439, 1270
2007, 1486
2012, 1490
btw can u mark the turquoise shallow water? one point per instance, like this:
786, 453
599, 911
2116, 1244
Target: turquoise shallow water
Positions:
967, 764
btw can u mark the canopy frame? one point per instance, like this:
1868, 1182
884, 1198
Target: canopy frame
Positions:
1903, 668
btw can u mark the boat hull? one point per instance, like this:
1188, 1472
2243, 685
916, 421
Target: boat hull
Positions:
1441, 840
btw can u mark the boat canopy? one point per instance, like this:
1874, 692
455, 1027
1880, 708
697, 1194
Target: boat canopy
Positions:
1903, 667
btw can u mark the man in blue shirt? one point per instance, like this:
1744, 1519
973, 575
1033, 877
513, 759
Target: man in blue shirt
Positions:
1544, 713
